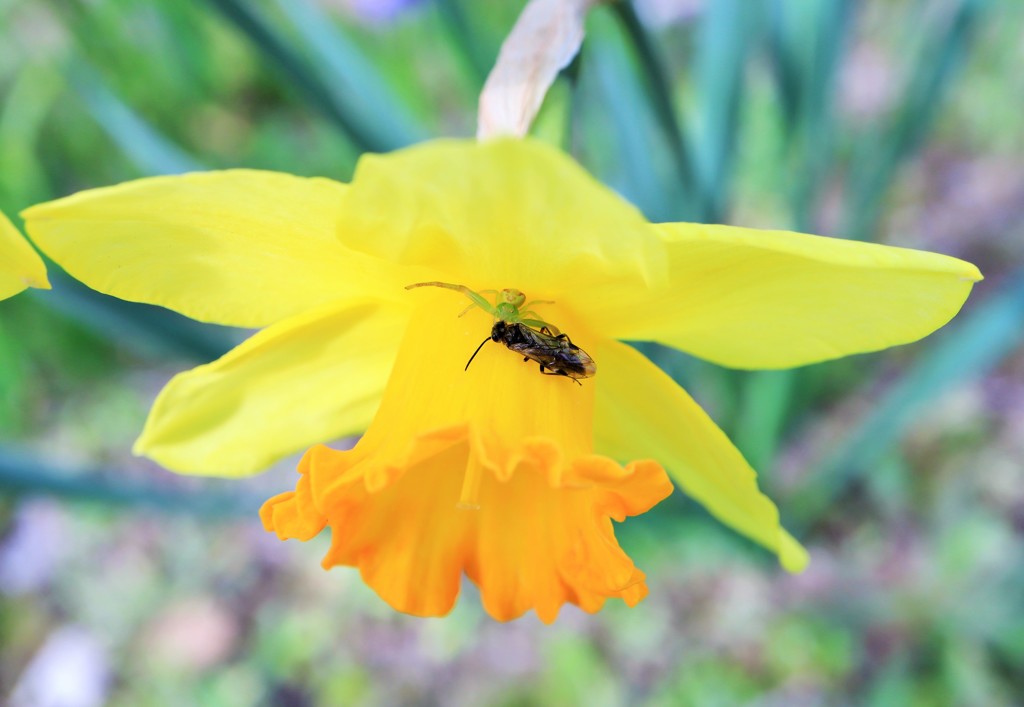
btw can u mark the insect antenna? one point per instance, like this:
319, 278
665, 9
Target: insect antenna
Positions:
475, 353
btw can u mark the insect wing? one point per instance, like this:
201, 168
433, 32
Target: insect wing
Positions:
556, 353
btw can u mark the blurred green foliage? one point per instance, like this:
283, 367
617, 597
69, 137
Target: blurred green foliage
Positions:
891, 120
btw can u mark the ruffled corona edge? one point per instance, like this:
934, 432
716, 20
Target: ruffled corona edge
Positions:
533, 534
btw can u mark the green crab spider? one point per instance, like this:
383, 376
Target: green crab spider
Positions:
507, 304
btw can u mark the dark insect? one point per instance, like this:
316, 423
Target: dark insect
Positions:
518, 327
556, 354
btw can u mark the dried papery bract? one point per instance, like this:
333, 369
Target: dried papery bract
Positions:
545, 39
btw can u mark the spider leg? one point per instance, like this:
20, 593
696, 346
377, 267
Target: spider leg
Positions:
475, 297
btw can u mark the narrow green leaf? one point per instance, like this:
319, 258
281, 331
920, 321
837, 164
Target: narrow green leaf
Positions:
812, 51
347, 73
766, 403
659, 91
467, 40
930, 78
150, 151
615, 112
318, 95
147, 329
725, 36
22, 116
783, 48
23, 474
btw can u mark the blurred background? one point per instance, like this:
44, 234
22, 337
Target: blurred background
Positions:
897, 121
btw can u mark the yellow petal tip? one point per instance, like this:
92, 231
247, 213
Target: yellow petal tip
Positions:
139, 448
792, 555
40, 283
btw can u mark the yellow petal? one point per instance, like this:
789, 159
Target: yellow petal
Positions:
771, 299
315, 377
504, 213
240, 247
642, 412
20, 266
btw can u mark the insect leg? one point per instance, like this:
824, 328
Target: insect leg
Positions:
559, 373
549, 330
556, 336
563, 337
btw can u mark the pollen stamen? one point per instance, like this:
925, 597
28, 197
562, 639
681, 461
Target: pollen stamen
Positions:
469, 497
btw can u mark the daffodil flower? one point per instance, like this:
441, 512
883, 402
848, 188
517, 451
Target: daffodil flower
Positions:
20, 266
497, 472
